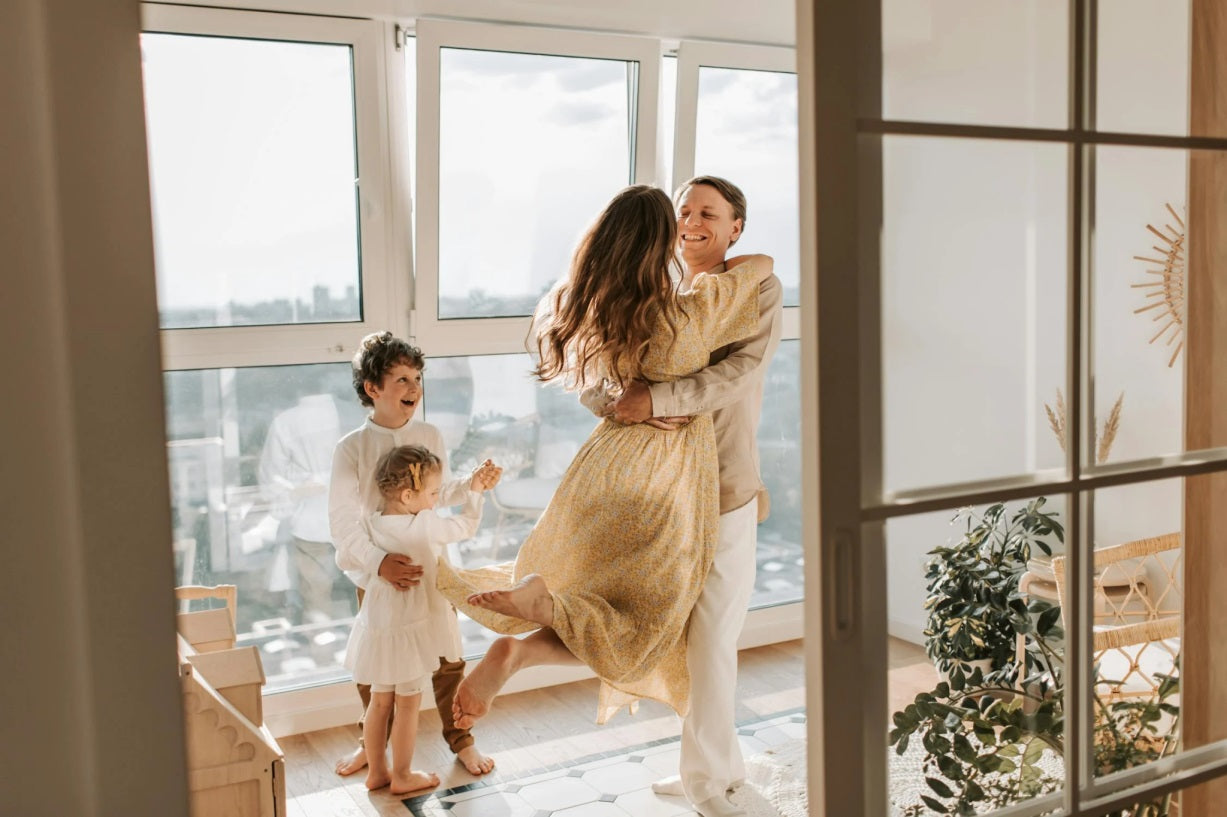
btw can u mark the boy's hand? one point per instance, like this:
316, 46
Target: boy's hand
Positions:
400, 571
485, 476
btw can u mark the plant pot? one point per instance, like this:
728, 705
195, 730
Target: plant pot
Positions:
985, 665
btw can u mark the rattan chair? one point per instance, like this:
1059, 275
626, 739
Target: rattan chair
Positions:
1137, 617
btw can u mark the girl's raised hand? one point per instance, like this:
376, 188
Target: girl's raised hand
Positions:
485, 476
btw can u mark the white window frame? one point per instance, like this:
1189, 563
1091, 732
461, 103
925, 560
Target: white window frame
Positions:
280, 344
486, 336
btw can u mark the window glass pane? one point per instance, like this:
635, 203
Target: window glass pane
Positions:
252, 168
979, 62
780, 560
1157, 290
973, 323
668, 117
1138, 617
1142, 70
747, 133
531, 147
250, 457
975, 699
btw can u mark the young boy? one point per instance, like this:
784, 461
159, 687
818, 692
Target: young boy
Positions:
388, 379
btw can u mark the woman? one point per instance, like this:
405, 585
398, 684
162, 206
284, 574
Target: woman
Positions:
610, 572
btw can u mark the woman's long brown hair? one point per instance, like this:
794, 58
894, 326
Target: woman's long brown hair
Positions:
600, 318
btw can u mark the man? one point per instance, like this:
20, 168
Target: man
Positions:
711, 214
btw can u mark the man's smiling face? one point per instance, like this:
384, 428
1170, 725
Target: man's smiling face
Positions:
705, 227
396, 399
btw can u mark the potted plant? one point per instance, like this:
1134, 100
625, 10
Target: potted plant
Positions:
984, 750
975, 612
991, 736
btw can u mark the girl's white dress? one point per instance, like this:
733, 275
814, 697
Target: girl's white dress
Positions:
400, 635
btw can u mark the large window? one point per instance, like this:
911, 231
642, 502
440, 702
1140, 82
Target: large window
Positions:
315, 180
269, 177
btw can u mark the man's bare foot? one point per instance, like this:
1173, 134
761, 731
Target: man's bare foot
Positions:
474, 761
377, 778
529, 599
355, 761
413, 781
476, 692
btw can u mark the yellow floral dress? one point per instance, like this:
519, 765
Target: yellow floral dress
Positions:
627, 540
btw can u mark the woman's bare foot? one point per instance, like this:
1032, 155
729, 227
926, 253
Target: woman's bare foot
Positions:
529, 599
413, 781
377, 778
476, 692
474, 761
355, 761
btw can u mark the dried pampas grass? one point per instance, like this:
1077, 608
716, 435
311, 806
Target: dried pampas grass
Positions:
1102, 442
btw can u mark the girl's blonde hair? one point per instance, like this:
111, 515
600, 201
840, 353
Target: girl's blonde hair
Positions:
598, 320
404, 467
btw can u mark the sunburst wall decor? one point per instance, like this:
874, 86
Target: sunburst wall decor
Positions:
1166, 293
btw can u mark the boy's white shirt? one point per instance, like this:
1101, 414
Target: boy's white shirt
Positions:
353, 495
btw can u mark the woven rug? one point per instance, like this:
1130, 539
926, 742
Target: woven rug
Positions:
775, 782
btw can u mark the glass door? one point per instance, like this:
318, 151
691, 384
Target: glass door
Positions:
1013, 366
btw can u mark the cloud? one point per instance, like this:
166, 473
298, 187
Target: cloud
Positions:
587, 74
577, 112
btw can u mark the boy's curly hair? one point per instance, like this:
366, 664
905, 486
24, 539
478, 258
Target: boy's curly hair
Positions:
405, 467
376, 355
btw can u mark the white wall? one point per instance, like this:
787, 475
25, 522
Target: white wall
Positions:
974, 259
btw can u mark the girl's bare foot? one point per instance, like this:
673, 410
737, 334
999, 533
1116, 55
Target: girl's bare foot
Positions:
474, 761
528, 599
355, 761
413, 781
377, 778
476, 692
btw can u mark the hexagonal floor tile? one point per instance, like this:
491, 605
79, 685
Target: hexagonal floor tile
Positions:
563, 792
620, 778
646, 803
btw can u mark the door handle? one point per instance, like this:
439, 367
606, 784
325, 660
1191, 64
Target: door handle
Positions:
843, 571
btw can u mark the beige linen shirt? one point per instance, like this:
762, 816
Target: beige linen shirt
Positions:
731, 387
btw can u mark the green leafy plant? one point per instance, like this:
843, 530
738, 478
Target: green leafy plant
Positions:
974, 609
983, 750
986, 734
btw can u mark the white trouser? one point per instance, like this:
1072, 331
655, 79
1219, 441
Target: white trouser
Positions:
711, 759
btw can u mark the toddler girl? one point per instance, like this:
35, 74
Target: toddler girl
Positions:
398, 635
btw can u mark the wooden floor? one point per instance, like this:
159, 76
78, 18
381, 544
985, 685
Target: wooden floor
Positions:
533, 730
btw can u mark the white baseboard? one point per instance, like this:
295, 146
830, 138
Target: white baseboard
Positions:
337, 704
906, 630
